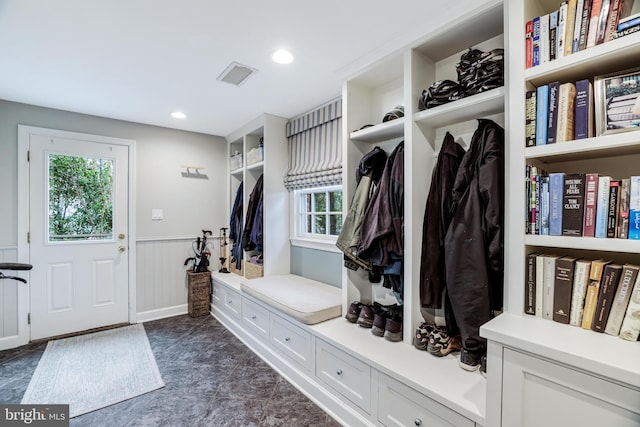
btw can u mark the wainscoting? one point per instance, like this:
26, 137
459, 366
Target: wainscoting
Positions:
9, 296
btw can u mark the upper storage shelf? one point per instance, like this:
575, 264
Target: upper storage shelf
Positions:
591, 148
380, 132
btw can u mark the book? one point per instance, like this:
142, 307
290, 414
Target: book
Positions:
544, 205
570, 24
530, 118
584, 25
527, 192
552, 108
562, 25
634, 208
608, 286
542, 114
573, 204
612, 20
535, 42
630, 328
623, 210
576, 28
602, 206
553, 35
532, 199
556, 196
593, 289
548, 283
628, 277
563, 289
590, 200
584, 109
528, 43
530, 290
538, 217
539, 284
602, 21
566, 112
627, 31
579, 291
544, 38
612, 212
594, 17
628, 22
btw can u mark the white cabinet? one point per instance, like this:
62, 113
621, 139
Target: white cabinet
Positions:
256, 317
292, 341
232, 302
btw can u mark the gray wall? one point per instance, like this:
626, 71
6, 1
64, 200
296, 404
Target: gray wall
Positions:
318, 265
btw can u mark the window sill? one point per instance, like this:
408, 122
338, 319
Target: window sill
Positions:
317, 244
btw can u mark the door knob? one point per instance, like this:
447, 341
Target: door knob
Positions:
121, 236
122, 248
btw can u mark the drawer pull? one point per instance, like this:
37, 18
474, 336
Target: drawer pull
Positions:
229, 302
287, 339
417, 422
254, 317
339, 372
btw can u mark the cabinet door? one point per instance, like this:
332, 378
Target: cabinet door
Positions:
538, 393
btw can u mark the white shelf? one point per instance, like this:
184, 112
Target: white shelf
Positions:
586, 243
257, 165
237, 171
615, 55
380, 132
607, 145
603, 354
473, 107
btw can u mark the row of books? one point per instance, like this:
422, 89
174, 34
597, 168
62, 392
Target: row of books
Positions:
578, 25
599, 295
559, 112
584, 205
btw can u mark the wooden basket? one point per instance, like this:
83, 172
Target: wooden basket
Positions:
233, 269
199, 295
251, 270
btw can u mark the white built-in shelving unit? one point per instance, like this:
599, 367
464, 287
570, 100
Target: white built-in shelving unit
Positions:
577, 376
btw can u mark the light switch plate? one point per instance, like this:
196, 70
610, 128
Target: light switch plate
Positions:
157, 214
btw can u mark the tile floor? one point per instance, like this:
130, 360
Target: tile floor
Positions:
211, 378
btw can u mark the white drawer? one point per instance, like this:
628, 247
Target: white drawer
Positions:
255, 317
344, 373
217, 291
232, 302
400, 405
291, 340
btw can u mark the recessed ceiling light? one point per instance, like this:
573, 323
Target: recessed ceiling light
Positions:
282, 57
178, 115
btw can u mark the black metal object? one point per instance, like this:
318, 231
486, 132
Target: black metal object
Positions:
16, 267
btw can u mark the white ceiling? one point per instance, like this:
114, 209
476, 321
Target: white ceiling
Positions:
139, 60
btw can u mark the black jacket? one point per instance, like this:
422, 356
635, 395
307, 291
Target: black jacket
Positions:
474, 241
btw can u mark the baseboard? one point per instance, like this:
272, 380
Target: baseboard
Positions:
161, 313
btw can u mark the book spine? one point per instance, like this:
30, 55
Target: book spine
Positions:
527, 189
591, 297
536, 41
539, 284
584, 25
562, 25
573, 205
584, 109
580, 283
542, 114
530, 291
623, 212
590, 200
528, 43
538, 202
544, 39
628, 23
544, 205
570, 23
630, 328
553, 35
556, 195
620, 302
549, 278
612, 212
608, 286
612, 20
576, 28
593, 23
563, 288
552, 120
566, 112
532, 199
530, 118
634, 208
627, 31
601, 206
602, 21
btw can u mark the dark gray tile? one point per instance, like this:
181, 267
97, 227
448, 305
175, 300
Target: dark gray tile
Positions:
249, 383
297, 414
226, 412
286, 393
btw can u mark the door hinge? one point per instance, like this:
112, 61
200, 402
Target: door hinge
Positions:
28, 237
28, 318
28, 155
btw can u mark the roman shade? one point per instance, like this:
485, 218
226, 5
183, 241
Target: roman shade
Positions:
315, 148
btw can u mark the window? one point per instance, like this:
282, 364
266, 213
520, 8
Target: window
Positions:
317, 215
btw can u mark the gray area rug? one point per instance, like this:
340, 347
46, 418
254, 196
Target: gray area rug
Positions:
92, 371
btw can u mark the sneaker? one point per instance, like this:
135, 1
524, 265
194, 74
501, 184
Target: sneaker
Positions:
354, 311
441, 344
483, 366
365, 318
421, 338
470, 360
393, 327
380, 315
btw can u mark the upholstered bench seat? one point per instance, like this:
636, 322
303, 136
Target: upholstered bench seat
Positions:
305, 300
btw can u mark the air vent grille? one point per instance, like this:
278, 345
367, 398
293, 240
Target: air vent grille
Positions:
236, 74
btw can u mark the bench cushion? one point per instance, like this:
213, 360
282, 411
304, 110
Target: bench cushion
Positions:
305, 300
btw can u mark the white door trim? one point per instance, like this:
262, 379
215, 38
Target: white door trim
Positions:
24, 133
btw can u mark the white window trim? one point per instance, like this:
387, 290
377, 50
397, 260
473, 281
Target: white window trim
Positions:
310, 241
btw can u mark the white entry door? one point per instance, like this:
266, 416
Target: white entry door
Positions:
78, 228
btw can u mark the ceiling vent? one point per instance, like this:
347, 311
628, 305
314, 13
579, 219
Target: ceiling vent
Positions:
236, 74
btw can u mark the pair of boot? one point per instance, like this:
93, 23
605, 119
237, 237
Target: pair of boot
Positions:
384, 320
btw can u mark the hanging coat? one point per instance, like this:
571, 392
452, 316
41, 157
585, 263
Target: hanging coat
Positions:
235, 228
252, 209
474, 242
